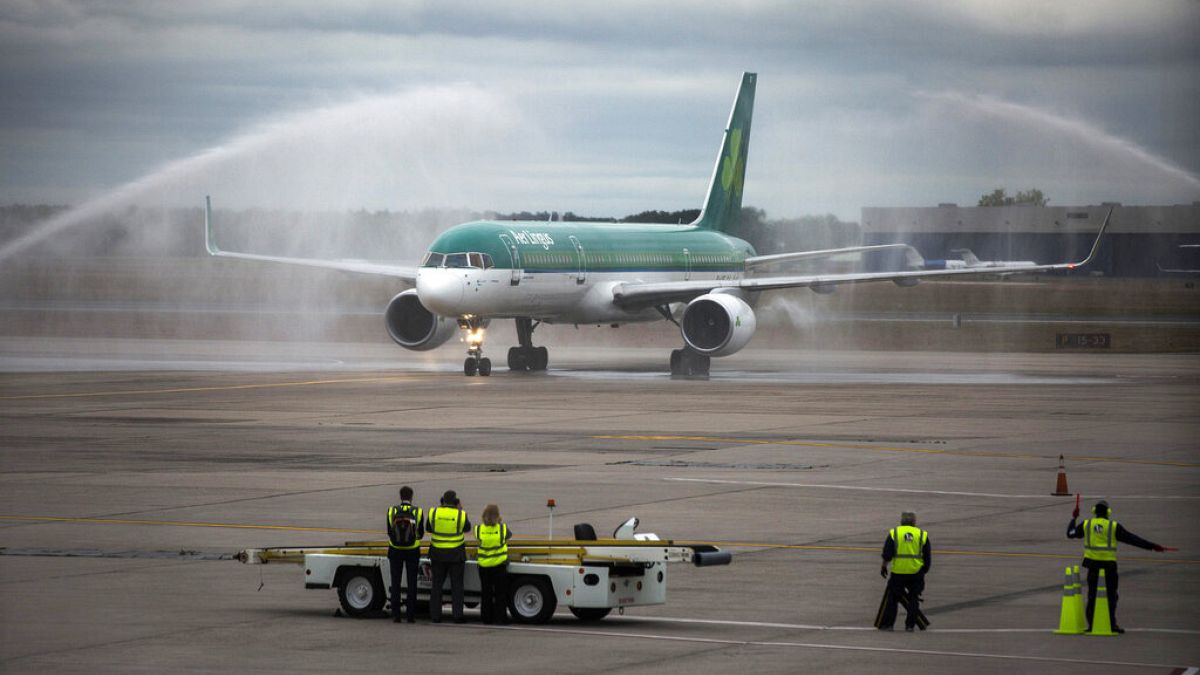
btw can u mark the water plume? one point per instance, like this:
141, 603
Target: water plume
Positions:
444, 146
1074, 129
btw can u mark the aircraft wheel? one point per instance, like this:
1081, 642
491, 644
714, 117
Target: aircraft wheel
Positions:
518, 359
470, 366
541, 358
485, 366
676, 361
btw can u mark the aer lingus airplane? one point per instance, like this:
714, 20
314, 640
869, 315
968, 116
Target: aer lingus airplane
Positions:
605, 273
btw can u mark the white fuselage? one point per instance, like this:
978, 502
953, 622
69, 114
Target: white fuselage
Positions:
554, 297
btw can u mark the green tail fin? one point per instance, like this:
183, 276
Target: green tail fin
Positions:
724, 203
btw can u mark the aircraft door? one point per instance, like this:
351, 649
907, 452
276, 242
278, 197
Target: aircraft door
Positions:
687, 265
515, 256
581, 273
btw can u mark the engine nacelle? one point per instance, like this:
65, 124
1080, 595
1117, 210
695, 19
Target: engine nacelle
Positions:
414, 327
717, 324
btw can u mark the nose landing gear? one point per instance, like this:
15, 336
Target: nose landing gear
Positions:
476, 362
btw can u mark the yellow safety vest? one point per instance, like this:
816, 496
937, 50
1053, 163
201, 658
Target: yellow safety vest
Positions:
1100, 539
416, 514
910, 542
493, 545
446, 527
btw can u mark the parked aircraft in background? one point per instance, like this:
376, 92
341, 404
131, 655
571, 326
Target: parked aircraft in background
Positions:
607, 273
968, 260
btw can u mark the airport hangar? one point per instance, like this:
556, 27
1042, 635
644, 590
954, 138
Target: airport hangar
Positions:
1141, 241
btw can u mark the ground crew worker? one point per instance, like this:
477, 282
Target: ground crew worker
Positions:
492, 556
446, 525
907, 549
404, 555
1100, 535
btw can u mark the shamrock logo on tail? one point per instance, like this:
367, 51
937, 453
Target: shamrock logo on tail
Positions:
732, 173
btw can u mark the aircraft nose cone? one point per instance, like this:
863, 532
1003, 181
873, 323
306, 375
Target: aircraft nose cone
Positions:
440, 290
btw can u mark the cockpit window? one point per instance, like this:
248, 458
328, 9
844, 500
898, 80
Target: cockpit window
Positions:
481, 260
458, 260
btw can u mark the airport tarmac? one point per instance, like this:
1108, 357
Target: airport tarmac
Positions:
133, 468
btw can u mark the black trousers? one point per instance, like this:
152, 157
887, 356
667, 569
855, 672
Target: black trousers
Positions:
1093, 568
493, 589
405, 561
441, 570
903, 584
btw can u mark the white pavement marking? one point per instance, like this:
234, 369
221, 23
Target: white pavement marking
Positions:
805, 626
850, 648
865, 488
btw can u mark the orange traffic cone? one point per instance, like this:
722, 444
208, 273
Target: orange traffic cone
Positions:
1060, 489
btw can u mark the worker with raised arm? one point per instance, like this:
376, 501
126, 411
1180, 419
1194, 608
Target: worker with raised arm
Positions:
907, 550
447, 524
406, 527
492, 556
1100, 535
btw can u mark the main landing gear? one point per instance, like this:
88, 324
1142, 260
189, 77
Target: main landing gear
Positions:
526, 356
689, 363
476, 362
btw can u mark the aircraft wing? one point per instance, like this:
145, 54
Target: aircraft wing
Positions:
635, 295
405, 273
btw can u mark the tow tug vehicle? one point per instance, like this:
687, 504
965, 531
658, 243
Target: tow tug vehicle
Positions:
589, 576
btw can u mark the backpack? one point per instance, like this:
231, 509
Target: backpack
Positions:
403, 528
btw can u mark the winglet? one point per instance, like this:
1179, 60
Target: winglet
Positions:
209, 242
1095, 245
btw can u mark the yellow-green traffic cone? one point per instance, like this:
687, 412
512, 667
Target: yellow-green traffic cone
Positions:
1068, 616
1101, 624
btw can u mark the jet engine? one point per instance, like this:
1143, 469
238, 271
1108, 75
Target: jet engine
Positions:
414, 327
717, 324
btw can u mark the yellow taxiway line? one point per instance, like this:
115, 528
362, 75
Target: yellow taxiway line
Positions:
184, 523
889, 448
189, 390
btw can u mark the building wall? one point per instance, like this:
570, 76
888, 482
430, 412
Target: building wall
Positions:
1141, 241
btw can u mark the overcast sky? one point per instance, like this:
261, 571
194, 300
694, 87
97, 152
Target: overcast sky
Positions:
597, 108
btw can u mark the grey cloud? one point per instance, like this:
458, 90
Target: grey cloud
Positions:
623, 88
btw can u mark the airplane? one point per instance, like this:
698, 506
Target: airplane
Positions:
968, 259
607, 273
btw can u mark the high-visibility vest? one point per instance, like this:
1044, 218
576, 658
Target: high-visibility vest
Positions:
910, 542
1100, 539
493, 544
446, 525
416, 515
